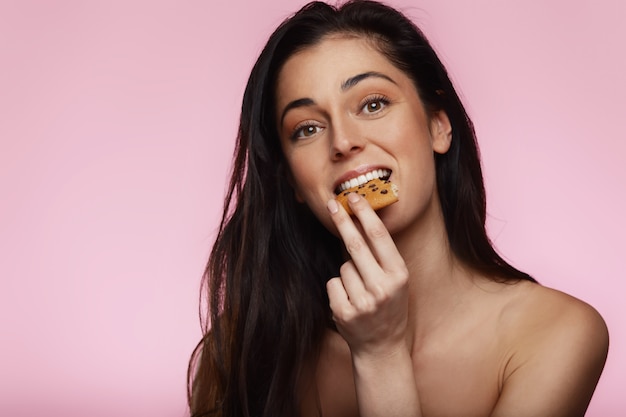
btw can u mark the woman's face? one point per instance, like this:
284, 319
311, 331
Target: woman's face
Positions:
344, 110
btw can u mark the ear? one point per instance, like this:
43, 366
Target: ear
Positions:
440, 132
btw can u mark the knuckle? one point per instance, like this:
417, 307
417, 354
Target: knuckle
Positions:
380, 293
364, 305
399, 284
345, 268
340, 219
355, 244
377, 232
343, 314
331, 283
401, 275
405, 275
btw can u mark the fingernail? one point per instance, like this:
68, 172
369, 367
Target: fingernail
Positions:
353, 197
332, 206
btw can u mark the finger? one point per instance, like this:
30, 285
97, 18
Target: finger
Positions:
354, 287
338, 299
355, 244
379, 240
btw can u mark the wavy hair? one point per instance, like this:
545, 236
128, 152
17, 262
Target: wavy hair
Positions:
266, 275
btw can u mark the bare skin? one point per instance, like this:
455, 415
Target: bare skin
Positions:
419, 334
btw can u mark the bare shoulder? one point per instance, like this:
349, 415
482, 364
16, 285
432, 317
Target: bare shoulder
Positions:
557, 348
538, 310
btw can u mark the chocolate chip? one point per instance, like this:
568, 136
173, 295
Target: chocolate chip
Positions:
383, 191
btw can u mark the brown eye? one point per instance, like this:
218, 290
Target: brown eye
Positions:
374, 105
306, 131
309, 130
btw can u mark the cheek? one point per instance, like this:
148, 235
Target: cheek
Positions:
306, 178
305, 169
299, 176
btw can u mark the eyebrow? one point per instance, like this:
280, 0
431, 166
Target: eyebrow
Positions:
346, 85
302, 102
352, 81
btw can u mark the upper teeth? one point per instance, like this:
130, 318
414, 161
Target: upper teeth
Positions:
362, 179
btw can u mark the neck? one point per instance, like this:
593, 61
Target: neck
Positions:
438, 281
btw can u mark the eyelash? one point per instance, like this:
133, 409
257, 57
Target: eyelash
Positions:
301, 127
374, 99
384, 101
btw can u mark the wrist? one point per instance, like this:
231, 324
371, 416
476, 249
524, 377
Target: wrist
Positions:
381, 357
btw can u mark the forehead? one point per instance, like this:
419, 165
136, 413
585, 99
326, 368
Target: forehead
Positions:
330, 62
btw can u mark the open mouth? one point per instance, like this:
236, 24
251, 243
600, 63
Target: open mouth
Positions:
363, 178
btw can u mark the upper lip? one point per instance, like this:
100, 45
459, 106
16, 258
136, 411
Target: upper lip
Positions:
354, 173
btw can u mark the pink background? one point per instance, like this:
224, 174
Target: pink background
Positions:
117, 121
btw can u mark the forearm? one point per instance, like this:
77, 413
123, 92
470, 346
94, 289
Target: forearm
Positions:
385, 386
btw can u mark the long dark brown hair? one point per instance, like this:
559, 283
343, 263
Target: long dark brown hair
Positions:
266, 275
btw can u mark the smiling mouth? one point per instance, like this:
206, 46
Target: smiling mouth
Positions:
363, 178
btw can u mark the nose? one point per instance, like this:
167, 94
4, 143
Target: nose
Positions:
346, 140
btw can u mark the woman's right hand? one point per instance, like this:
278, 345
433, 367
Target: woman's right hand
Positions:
369, 299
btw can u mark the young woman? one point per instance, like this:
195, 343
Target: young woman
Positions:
407, 311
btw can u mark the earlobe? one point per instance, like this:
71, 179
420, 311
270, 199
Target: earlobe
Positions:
441, 131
